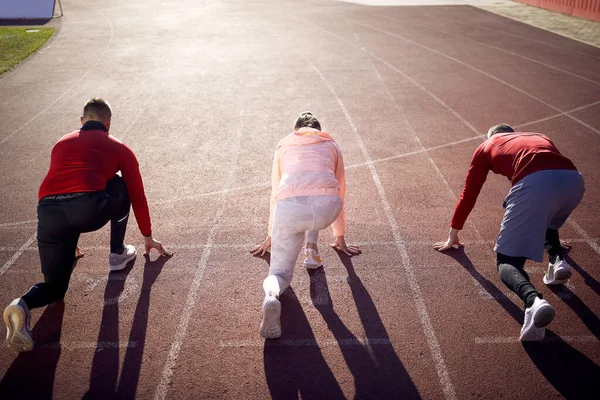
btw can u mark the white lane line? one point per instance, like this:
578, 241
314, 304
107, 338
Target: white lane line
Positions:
593, 243
70, 89
265, 185
261, 185
180, 333
432, 342
557, 115
456, 60
412, 153
196, 246
99, 346
17, 223
553, 339
306, 342
17, 254
490, 46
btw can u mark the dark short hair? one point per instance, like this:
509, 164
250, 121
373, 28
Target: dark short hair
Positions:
97, 108
306, 119
500, 128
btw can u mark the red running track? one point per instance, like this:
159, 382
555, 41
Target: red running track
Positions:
202, 93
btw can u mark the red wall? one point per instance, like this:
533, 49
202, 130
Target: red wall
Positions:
588, 9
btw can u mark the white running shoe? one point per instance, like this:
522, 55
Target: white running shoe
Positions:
270, 326
558, 273
312, 259
119, 261
18, 326
537, 318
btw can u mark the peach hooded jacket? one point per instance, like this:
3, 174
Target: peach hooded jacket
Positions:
308, 163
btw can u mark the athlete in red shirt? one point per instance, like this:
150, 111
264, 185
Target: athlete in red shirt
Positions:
546, 188
81, 193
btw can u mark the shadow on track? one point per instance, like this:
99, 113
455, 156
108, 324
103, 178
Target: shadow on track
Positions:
587, 278
294, 365
377, 369
132, 364
31, 375
104, 379
569, 371
492, 290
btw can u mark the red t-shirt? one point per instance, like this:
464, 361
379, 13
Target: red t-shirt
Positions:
84, 161
513, 155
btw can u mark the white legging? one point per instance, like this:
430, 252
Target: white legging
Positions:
293, 217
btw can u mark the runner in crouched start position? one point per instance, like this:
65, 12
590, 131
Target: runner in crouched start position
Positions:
546, 188
81, 193
308, 186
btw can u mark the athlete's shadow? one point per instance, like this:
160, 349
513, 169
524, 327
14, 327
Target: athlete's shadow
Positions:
105, 364
377, 369
31, 375
587, 278
132, 364
571, 373
294, 365
104, 377
492, 290
586, 315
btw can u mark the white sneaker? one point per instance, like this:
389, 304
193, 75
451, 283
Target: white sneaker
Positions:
558, 273
18, 326
270, 326
312, 259
119, 261
537, 318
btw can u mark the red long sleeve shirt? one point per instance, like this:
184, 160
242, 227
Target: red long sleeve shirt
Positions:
84, 161
513, 155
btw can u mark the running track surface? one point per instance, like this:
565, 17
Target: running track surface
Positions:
202, 91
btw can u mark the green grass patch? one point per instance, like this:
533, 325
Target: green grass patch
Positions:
16, 44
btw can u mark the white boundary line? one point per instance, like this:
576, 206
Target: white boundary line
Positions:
515, 339
17, 254
307, 343
590, 241
186, 314
9, 224
196, 246
86, 345
432, 342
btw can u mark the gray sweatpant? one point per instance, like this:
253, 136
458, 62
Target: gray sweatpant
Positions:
294, 216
